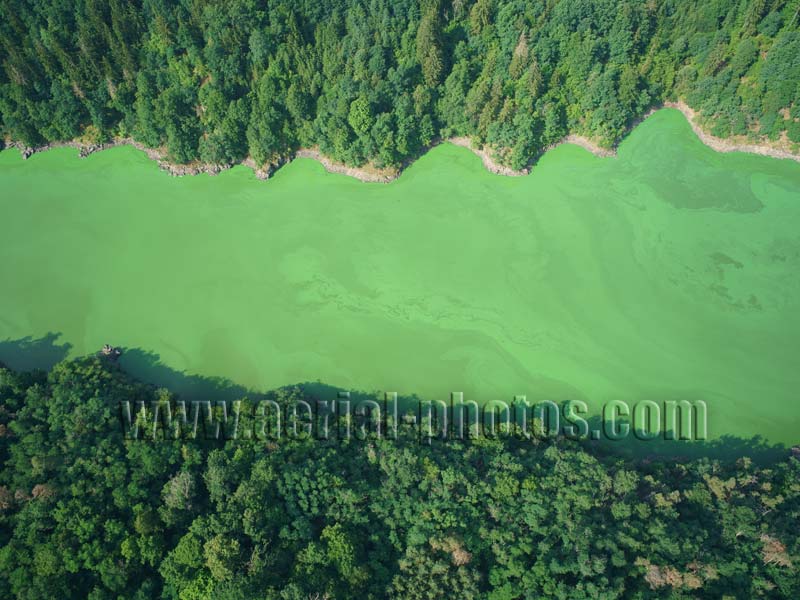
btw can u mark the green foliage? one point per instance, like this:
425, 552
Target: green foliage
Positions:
87, 513
360, 116
377, 81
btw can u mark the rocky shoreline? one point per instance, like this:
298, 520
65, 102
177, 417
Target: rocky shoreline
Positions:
372, 174
155, 154
490, 163
730, 145
368, 174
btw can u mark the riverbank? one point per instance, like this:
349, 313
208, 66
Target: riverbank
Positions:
489, 163
159, 155
454, 266
370, 173
367, 173
735, 144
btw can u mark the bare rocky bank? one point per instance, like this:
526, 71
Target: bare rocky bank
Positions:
738, 144
373, 174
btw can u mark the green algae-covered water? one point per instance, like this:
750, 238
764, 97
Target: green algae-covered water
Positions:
669, 272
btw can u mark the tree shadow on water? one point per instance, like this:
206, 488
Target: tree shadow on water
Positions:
667, 446
149, 368
29, 354
319, 391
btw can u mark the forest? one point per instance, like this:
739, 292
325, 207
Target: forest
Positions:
377, 81
87, 512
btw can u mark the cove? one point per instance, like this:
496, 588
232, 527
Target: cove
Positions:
667, 273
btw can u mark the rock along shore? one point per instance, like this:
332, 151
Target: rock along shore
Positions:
373, 174
730, 145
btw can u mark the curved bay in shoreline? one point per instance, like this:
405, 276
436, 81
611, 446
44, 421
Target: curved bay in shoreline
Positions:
372, 174
666, 274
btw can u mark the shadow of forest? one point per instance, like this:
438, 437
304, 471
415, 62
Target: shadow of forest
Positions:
27, 354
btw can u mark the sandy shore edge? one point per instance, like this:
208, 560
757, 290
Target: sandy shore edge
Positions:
372, 174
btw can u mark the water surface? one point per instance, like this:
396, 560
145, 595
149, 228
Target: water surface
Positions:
669, 272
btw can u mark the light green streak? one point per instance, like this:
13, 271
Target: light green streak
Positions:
668, 273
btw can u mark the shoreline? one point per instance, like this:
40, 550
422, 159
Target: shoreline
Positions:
367, 173
726, 145
489, 163
371, 174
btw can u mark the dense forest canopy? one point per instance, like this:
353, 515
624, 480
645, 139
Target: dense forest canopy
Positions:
378, 80
85, 512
